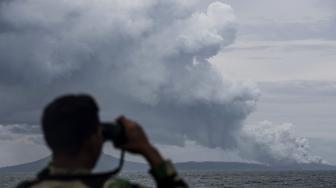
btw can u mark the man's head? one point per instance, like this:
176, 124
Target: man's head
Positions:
70, 126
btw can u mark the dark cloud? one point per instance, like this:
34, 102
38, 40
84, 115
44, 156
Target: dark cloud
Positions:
131, 58
137, 58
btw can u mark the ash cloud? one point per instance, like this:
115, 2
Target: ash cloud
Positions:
275, 144
147, 59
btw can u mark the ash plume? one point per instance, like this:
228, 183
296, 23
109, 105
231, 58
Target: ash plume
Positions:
144, 58
275, 144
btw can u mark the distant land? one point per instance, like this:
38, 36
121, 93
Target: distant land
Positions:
108, 162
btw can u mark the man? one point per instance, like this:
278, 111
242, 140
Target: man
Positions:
73, 132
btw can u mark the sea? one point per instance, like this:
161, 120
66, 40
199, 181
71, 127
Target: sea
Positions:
205, 179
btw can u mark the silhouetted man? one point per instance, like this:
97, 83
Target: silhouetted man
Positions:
73, 132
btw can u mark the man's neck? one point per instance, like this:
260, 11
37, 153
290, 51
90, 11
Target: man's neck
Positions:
71, 162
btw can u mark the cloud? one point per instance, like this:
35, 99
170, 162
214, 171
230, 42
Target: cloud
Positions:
129, 50
275, 144
147, 59
21, 143
278, 60
303, 19
302, 88
327, 151
23, 133
309, 105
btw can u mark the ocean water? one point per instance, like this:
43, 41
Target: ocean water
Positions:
205, 179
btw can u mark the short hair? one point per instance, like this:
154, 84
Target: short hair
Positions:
68, 121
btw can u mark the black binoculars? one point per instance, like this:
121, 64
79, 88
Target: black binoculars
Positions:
115, 132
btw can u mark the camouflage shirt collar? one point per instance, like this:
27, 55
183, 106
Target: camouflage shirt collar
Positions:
54, 170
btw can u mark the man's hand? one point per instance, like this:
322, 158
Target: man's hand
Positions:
138, 143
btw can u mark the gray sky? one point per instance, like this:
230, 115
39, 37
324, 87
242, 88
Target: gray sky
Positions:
289, 48
279, 53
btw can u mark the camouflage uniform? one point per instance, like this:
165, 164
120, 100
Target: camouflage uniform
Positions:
164, 175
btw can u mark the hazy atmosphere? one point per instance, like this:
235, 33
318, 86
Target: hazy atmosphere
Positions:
234, 80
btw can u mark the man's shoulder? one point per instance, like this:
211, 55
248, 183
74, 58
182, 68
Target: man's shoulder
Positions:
110, 183
52, 184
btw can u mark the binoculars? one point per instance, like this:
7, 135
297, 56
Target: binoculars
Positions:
115, 132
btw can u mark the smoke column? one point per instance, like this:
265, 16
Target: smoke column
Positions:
145, 58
